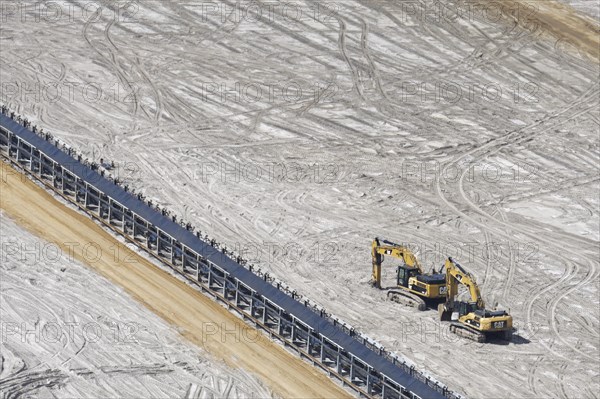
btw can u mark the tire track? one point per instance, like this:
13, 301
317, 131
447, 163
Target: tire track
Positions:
7, 285
342, 47
142, 72
591, 274
489, 148
531, 382
367, 54
111, 60
23, 383
512, 264
488, 267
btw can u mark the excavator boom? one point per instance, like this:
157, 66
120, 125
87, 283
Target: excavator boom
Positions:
389, 248
457, 275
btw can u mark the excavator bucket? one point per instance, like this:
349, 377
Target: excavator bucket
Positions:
445, 315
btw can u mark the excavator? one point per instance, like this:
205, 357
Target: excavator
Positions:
414, 287
474, 321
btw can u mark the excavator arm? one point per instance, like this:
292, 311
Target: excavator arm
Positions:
382, 248
455, 275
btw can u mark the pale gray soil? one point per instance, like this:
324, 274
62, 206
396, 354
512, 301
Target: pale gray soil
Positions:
511, 161
69, 333
589, 7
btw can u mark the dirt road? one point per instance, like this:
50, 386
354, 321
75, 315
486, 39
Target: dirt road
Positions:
199, 319
572, 29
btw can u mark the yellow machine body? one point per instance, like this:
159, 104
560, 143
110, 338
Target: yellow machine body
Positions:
413, 286
474, 320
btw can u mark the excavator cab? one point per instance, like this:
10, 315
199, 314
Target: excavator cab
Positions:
405, 273
466, 308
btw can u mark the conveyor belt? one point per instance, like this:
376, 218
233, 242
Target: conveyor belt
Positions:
319, 324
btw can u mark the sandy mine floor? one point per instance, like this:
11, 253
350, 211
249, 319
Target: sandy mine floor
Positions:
201, 320
298, 136
69, 333
588, 7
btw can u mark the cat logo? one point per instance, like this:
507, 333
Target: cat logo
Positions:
498, 324
443, 290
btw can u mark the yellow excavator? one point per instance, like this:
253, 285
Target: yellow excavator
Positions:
474, 321
414, 287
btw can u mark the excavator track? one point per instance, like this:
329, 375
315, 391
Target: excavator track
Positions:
467, 332
407, 298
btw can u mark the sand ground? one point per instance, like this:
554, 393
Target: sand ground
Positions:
201, 320
464, 134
